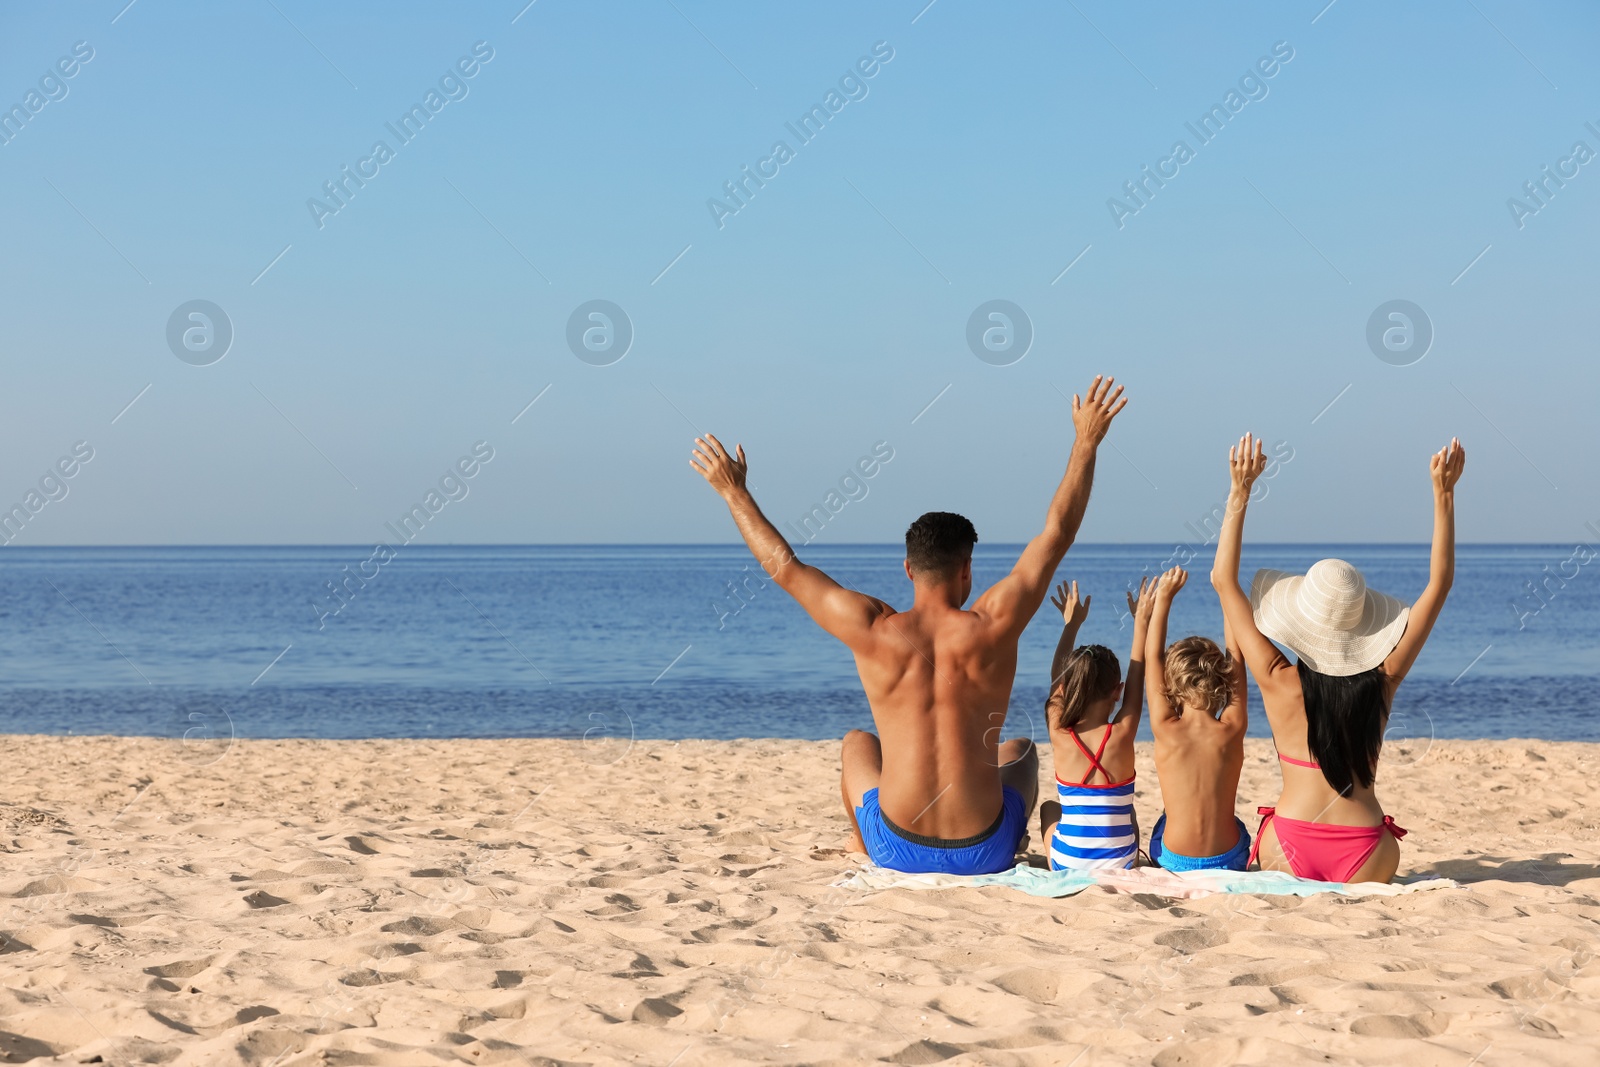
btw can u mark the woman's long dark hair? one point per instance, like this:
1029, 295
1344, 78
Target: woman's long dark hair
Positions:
1091, 673
1345, 720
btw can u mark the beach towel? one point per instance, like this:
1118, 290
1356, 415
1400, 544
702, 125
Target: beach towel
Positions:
1181, 885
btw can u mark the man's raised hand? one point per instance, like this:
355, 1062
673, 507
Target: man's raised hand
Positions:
1092, 416
724, 471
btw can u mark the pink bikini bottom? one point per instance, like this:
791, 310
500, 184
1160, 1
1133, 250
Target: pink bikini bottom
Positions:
1322, 851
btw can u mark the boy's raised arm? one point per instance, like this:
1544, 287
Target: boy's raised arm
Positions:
1166, 587
844, 613
1246, 461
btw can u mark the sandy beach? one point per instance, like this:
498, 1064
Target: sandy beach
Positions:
414, 902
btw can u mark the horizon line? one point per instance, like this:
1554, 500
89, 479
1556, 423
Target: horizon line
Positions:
738, 544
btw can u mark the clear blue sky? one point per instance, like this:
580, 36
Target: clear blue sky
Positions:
832, 308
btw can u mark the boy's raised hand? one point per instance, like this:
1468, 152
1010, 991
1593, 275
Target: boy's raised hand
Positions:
1065, 598
1142, 603
1246, 461
1169, 583
1445, 466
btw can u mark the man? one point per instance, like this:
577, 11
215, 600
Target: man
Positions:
939, 793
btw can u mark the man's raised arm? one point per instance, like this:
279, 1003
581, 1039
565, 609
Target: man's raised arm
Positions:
1013, 600
844, 613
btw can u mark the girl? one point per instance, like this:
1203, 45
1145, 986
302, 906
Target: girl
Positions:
1092, 824
1328, 711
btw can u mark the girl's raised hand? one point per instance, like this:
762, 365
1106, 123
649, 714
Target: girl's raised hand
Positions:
1066, 601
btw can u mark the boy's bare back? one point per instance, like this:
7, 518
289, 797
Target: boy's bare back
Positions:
1198, 760
1199, 752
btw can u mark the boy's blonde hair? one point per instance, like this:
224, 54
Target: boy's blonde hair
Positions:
1199, 675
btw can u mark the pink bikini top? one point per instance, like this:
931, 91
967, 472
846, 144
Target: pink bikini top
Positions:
1291, 761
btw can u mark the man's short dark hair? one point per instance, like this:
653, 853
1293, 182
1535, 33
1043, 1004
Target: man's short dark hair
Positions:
939, 542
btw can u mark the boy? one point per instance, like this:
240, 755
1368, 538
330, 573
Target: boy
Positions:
1198, 714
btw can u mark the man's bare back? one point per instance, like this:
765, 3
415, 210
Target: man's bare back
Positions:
939, 681
938, 677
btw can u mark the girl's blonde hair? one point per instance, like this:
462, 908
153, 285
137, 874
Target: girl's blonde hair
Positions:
1199, 674
1091, 673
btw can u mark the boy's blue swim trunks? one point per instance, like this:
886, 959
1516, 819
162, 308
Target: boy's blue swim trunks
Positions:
1232, 860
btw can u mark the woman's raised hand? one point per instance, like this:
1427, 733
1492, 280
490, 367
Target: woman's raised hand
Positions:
1445, 466
1246, 461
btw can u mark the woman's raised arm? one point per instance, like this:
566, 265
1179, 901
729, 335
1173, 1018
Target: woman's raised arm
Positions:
1246, 461
1445, 467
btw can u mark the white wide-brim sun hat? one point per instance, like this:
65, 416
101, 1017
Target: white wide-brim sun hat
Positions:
1328, 617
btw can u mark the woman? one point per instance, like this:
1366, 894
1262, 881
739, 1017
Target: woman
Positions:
1328, 711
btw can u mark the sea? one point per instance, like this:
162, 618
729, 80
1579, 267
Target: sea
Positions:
607, 644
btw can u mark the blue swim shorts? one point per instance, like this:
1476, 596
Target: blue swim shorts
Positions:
1232, 860
992, 851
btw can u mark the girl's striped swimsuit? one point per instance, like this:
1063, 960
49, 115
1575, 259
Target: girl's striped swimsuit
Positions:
1096, 826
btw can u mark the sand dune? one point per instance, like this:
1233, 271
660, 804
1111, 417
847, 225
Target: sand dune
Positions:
414, 902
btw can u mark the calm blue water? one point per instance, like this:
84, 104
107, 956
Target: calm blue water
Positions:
567, 641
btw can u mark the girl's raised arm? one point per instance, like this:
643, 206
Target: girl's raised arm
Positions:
1073, 613
1246, 461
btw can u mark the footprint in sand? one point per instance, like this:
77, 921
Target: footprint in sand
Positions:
56, 883
181, 968
926, 1051
1221, 1053
1031, 983
419, 926
370, 976
14, 1048
656, 1011
314, 867
1192, 940
1424, 1024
